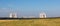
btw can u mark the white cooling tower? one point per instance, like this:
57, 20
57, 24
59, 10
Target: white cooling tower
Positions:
42, 15
13, 15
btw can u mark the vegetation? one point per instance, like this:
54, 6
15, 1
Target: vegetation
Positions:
31, 22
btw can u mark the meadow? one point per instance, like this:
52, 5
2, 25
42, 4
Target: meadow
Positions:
31, 22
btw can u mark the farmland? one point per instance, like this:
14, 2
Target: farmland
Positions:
31, 22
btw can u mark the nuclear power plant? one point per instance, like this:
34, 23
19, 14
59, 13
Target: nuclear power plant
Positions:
41, 15
14, 15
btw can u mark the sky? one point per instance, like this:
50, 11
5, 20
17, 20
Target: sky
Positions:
30, 7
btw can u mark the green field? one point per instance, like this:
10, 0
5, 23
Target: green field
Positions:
31, 22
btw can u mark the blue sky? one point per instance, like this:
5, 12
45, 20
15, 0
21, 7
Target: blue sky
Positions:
30, 7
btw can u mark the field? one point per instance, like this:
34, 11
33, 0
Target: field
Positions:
31, 22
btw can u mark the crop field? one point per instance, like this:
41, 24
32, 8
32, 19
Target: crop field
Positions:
31, 22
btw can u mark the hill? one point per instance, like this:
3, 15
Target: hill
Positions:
31, 22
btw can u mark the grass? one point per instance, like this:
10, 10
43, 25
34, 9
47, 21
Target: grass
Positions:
31, 22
